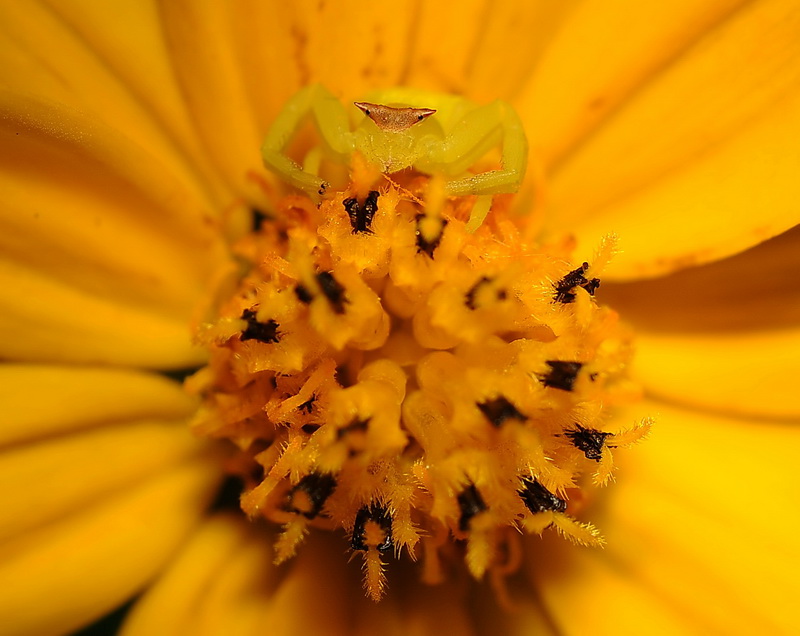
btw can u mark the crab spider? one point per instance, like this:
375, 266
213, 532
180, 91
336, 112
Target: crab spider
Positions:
400, 128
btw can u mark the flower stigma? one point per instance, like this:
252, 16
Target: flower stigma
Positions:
385, 372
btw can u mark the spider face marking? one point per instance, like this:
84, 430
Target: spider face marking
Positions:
433, 133
392, 118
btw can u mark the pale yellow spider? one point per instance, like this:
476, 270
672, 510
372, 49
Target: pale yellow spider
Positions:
399, 128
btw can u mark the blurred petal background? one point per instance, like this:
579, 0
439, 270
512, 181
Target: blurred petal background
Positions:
128, 129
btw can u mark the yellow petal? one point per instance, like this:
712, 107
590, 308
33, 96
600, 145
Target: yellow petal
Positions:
721, 336
167, 606
746, 373
587, 71
701, 163
288, 611
720, 204
412, 608
659, 543
489, 50
524, 618
437, 610
83, 208
202, 49
235, 599
48, 140
753, 291
699, 525
45, 320
114, 31
53, 222
42, 54
66, 574
713, 464
586, 594
87, 467
41, 400
712, 496
285, 46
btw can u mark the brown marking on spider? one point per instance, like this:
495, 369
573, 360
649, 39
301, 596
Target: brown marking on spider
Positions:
394, 119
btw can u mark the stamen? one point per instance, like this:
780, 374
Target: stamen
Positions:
332, 290
361, 214
562, 374
576, 278
372, 529
385, 373
266, 332
316, 488
429, 233
538, 499
303, 295
259, 218
498, 410
471, 504
588, 440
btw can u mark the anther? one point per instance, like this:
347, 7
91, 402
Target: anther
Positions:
498, 410
310, 494
266, 332
576, 278
538, 499
470, 300
427, 240
308, 405
372, 529
589, 441
303, 295
361, 214
332, 290
471, 504
355, 425
562, 374
258, 219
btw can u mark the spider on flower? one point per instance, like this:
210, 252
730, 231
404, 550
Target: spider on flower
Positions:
398, 128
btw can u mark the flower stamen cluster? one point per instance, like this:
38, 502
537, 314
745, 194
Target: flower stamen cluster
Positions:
385, 372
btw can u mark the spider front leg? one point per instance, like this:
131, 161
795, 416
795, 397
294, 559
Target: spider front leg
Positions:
332, 123
478, 132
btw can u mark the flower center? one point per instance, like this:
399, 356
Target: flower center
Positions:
387, 374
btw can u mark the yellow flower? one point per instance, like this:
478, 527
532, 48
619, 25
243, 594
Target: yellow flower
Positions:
130, 136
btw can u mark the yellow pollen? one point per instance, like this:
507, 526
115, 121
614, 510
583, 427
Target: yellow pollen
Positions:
424, 389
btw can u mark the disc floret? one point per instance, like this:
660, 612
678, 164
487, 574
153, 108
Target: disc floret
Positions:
386, 373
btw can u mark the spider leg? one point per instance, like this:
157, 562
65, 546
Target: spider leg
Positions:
479, 131
330, 119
